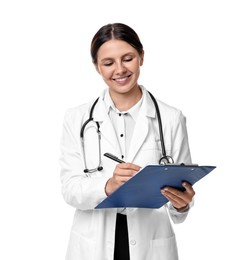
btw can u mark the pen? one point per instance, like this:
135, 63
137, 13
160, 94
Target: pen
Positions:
113, 157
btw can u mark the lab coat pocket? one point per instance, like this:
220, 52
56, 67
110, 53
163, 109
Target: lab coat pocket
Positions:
164, 249
152, 143
150, 152
79, 247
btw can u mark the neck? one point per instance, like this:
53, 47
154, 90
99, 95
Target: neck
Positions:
125, 101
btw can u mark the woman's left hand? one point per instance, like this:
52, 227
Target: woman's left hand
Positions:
179, 199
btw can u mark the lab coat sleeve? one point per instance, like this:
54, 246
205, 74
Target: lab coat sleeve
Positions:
180, 146
80, 190
176, 216
180, 154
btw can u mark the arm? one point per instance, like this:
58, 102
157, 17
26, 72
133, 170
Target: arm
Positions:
180, 202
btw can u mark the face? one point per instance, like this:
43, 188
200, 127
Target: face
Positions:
119, 65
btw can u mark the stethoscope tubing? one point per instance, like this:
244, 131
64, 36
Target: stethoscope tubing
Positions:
163, 160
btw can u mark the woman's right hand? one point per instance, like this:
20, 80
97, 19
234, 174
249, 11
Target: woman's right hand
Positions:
122, 173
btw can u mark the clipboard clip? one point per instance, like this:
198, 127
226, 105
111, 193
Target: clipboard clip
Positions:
183, 164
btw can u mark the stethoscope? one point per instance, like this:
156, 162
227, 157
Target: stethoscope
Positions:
164, 160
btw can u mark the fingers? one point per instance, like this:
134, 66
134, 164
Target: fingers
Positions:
124, 171
130, 166
178, 198
189, 189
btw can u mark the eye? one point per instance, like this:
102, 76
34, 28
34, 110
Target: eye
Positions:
128, 59
107, 64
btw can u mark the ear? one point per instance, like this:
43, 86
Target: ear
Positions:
142, 58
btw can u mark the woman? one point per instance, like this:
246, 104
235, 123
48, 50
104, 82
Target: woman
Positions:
125, 117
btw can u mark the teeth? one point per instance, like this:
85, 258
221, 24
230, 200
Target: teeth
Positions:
122, 79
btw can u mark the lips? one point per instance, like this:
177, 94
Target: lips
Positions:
122, 80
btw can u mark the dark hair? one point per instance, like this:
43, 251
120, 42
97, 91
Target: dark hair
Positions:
116, 31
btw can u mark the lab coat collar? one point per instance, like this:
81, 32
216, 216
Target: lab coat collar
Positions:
141, 129
102, 109
148, 107
101, 115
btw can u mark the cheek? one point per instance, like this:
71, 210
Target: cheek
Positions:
135, 67
105, 73
136, 71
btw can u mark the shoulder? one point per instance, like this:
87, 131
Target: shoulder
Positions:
167, 111
82, 110
78, 110
172, 118
77, 114
171, 114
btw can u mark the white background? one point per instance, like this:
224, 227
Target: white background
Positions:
197, 58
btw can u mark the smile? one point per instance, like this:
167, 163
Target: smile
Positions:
122, 80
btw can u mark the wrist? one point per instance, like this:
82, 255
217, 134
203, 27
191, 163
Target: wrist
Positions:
183, 209
108, 187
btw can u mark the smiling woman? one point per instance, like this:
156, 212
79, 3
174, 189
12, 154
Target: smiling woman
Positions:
126, 117
117, 56
119, 65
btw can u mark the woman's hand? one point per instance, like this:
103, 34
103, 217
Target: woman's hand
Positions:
122, 173
179, 199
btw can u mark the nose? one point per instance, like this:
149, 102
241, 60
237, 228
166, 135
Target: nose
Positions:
120, 68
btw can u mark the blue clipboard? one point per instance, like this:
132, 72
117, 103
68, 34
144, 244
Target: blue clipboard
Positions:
143, 189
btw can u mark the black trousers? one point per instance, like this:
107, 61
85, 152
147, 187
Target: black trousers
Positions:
121, 250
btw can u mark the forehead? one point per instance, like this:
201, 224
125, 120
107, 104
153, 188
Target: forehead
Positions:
114, 49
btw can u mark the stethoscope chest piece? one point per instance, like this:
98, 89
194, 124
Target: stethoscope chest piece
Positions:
165, 160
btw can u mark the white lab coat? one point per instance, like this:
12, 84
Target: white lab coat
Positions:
151, 236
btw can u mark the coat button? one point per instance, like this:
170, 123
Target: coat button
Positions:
133, 242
